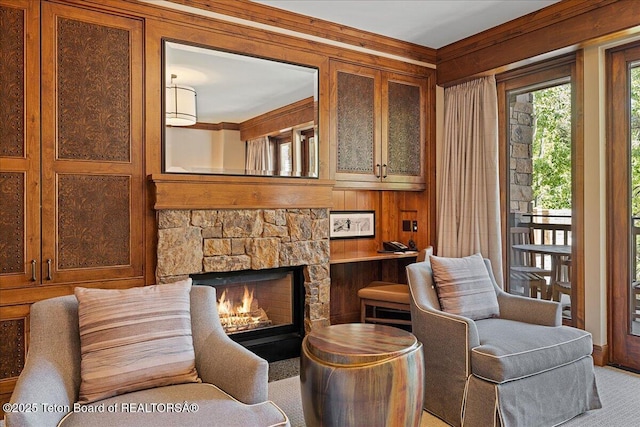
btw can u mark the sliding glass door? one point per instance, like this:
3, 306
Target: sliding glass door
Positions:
623, 202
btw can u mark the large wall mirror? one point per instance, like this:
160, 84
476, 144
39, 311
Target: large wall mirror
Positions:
233, 114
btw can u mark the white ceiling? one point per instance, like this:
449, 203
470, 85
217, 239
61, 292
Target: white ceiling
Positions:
431, 23
234, 88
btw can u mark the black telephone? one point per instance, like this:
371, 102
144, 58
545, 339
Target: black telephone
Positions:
394, 246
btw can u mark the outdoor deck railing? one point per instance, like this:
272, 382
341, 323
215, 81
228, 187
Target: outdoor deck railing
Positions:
548, 229
556, 230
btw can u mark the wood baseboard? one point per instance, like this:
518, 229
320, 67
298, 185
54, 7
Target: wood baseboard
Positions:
601, 355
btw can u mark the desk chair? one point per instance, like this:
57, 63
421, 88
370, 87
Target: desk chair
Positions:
386, 302
523, 272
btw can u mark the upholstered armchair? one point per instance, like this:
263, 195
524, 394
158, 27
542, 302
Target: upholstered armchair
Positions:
516, 367
232, 391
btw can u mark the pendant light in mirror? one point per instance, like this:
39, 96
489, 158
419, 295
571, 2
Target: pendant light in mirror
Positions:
180, 104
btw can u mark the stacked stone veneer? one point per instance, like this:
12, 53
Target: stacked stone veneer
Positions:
521, 163
201, 241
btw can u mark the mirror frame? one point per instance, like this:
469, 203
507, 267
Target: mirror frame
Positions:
300, 130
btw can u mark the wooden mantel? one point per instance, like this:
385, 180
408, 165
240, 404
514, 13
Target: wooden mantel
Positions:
217, 192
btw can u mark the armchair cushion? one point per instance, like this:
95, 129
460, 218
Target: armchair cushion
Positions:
511, 350
190, 405
134, 339
464, 287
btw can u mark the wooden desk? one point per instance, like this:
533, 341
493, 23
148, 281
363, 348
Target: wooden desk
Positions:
361, 375
370, 256
352, 271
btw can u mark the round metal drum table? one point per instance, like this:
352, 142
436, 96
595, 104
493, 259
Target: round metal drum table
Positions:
361, 375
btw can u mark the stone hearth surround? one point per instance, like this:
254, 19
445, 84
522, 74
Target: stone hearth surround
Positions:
202, 241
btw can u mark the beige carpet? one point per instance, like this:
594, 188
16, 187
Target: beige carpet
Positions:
619, 392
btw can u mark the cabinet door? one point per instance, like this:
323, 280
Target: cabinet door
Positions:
19, 143
14, 324
403, 128
355, 123
92, 183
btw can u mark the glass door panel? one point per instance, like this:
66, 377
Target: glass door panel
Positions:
634, 194
540, 184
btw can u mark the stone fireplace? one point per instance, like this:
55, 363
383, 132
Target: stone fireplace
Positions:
203, 241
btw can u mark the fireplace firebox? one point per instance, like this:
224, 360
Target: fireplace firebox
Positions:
261, 309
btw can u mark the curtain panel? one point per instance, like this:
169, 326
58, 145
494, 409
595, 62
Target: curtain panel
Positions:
469, 191
260, 157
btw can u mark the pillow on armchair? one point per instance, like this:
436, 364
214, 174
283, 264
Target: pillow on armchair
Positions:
134, 339
464, 287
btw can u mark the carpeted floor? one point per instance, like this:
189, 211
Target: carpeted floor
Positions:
284, 369
619, 392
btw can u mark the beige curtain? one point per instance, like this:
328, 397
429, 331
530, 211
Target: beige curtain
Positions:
469, 193
260, 159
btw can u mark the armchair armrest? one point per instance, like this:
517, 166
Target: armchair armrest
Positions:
51, 374
447, 340
234, 369
529, 310
220, 360
40, 386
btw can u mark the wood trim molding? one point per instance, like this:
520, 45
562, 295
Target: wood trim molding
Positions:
182, 192
564, 25
297, 113
405, 62
214, 126
269, 15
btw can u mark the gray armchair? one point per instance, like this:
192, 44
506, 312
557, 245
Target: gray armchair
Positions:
521, 369
233, 391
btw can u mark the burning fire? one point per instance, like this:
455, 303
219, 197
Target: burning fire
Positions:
243, 315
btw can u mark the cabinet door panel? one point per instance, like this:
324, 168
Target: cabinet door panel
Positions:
403, 127
93, 221
14, 324
19, 143
92, 189
12, 80
356, 123
12, 224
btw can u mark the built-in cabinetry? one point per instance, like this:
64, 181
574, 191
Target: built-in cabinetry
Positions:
71, 173
379, 127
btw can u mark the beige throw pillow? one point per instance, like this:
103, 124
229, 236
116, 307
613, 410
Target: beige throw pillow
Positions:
464, 287
134, 339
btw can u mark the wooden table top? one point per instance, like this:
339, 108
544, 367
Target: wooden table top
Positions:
546, 249
362, 256
359, 343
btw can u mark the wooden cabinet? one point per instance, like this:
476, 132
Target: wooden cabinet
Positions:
379, 128
71, 166
92, 172
71, 173
19, 142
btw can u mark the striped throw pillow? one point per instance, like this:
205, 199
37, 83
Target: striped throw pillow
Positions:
134, 339
464, 287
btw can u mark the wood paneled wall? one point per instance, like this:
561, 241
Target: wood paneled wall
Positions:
391, 207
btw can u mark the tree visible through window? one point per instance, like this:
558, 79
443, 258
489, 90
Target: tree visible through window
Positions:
551, 147
635, 141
